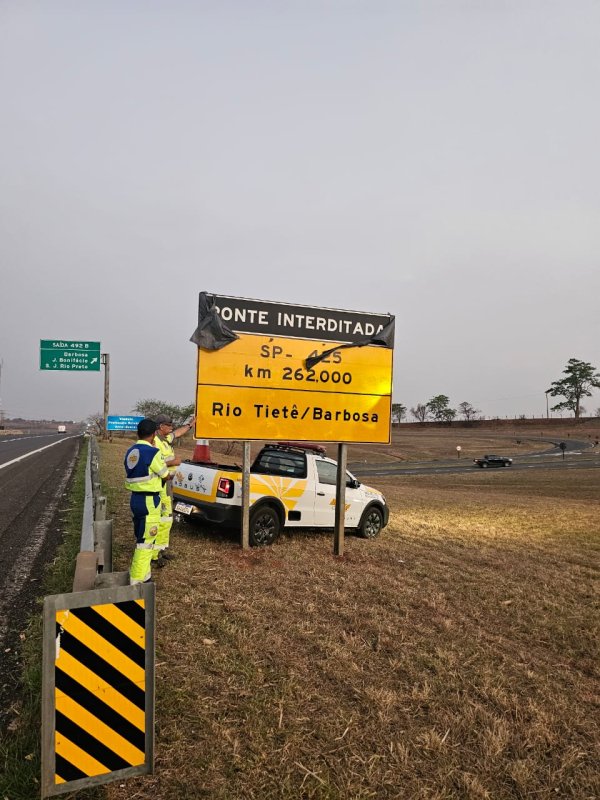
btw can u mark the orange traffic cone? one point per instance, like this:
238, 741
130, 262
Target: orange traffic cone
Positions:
201, 451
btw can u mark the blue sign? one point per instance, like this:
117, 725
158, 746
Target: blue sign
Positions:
122, 423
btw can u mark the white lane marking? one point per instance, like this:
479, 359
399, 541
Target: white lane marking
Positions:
556, 455
35, 436
33, 452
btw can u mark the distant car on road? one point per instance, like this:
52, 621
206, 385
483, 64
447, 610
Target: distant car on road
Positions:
493, 461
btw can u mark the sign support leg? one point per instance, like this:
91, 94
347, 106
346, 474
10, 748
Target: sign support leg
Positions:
340, 501
246, 497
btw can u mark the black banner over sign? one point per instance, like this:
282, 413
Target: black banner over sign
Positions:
244, 315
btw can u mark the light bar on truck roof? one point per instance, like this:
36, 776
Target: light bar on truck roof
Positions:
310, 446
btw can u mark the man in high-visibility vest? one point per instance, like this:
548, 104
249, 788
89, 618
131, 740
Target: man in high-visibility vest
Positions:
145, 471
165, 436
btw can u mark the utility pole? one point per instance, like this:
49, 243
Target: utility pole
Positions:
106, 361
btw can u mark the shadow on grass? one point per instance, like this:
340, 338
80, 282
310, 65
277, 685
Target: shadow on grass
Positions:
199, 529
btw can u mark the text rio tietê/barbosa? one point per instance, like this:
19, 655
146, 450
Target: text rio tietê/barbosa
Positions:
316, 413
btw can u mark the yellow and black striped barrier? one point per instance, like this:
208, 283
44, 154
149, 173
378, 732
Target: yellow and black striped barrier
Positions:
98, 687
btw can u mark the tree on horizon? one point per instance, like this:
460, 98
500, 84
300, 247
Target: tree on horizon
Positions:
399, 410
467, 411
419, 412
152, 408
580, 378
438, 407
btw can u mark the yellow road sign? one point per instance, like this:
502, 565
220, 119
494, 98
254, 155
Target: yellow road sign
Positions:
260, 386
279, 363
235, 412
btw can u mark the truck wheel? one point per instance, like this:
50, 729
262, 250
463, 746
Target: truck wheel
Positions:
371, 523
484, 465
264, 526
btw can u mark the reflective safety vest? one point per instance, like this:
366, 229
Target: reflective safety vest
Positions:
145, 468
166, 449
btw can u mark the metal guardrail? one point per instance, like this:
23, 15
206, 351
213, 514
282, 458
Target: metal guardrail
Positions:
94, 565
106, 747
87, 529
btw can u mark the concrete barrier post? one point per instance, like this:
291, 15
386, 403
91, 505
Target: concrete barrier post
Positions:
103, 543
85, 571
100, 508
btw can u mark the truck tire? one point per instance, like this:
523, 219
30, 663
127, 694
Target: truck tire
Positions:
264, 526
371, 523
484, 465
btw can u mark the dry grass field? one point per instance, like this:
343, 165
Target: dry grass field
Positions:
456, 656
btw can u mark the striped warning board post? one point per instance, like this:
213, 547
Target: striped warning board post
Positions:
98, 687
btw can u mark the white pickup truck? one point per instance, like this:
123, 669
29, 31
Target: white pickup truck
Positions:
292, 485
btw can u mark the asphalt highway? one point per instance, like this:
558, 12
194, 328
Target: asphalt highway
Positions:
577, 455
35, 473
21, 445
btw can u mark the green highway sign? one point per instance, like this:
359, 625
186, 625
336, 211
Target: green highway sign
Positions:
65, 354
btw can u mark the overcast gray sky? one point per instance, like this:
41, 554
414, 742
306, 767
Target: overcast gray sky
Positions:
435, 160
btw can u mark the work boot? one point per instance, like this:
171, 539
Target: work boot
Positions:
168, 555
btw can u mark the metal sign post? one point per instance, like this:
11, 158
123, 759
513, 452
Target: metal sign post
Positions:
106, 362
246, 497
340, 501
